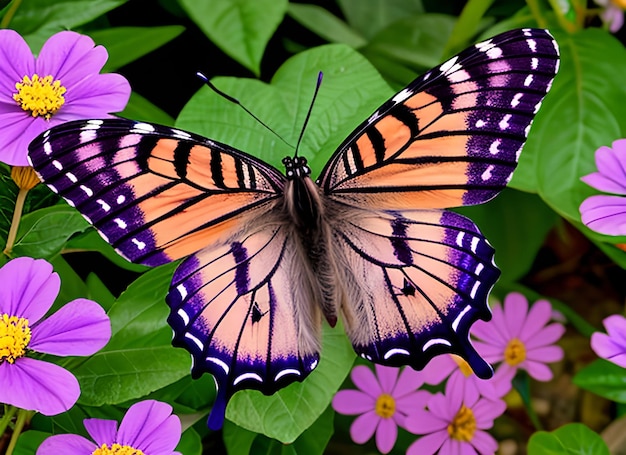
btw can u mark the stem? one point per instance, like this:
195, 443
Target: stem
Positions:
521, 383
466, 25
535, 10
22, 416
10, 13
15, 222
9, 412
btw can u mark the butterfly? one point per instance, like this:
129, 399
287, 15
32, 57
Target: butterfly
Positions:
267, 257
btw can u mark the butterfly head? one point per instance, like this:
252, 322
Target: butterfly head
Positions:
296, 167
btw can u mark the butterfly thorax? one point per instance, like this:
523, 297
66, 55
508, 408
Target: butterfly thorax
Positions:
302, 195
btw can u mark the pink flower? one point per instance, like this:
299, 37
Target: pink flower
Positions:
63, 83
520, 338
602, 213
149, 427
611, 347
454, 424
27, 291
460, 375
382, 402
612, 13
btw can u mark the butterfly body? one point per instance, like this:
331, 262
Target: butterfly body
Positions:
266, 257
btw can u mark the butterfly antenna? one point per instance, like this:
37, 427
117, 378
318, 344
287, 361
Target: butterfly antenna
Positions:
320, 75
238, 103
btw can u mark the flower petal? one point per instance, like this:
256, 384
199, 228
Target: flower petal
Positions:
604, 214
537, 370
38, 386
352, 402
538, 316
515, 311
484, 443
546, 336
363, 427
150, 427
103, 431
422, 421
486, 411
386, 435
412, 401
80, 327
387, 377
438, 369
16, 61
616, 327
408, 382
70, 57
429, 444
17, 129
606, 347
364, 379
545, 354
611, 175
29, 289
95, 96
68, 444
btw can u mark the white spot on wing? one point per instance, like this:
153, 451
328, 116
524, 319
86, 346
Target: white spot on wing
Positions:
395, 351
219, 363
459, 238
106, 207
142, 128
516, 98
534, 63
528, 80
487, 174
435, 342
181, 134
47, 148
243, 377
72, 177
286, 372
504, 123
88, 135
120, 223
120, 199
493, 148
475, 289
57, 164
196, 341
480, 123
140, 245
447, 66
459, 318
494, 52
181, 313
474, 244
532, 45
402, 95
479, 268
87, 190
182, 291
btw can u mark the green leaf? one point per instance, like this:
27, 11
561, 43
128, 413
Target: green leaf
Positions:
516, 224
127, 44
236, 439
290, 411
320, 21
369, 17
190, 443
140, 109
344, 100
583, 111
603, 378
44, 232
570, 439
139, 358
241, 28
37, 20
29, 441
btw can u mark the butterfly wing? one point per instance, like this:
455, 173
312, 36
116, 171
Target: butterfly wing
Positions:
453, 136
421, 279
450, 138
234, 308
155, 193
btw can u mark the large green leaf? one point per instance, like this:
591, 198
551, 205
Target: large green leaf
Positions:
368, 17
139, 358
290, 411
127, 44
140, 109
37, 20
584, 110
241, 28
322, 22
603, 378
346, 97
44, 232
570, 439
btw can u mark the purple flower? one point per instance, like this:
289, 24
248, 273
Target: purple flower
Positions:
454, 424
149, 427
520, 338
81, 328
460, 374
383, 402
63, 83
611, 347
602, 213
612, 13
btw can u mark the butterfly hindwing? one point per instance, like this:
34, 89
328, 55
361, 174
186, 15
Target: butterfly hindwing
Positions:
453, 136
241, 312
155, 193
422, 279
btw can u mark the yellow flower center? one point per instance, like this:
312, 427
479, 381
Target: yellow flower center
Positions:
515, 352
14, 337
463, 425
116, 449
463, 365
385, 406
40, 96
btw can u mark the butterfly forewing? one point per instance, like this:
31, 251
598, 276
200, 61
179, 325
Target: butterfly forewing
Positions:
454, 135
155, 193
